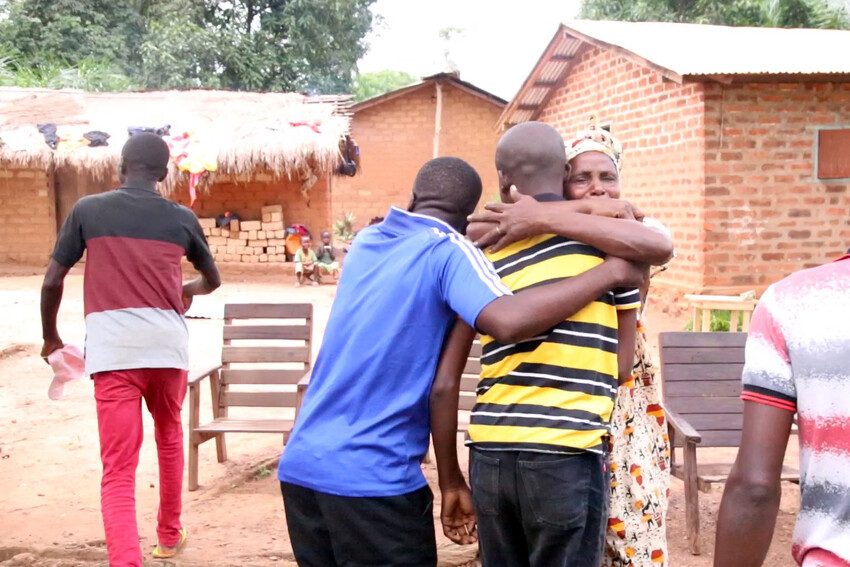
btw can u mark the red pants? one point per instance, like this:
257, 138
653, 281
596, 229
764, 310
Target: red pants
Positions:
119, 419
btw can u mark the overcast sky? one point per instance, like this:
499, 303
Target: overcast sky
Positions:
499, 43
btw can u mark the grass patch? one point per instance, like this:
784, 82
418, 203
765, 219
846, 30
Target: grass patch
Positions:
719, 322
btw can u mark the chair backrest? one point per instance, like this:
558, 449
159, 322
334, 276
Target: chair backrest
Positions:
701, 378
260, 352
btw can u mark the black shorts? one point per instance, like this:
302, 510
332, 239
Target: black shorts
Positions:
327, 530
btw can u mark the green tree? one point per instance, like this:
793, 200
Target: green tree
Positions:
762, 13
290, 44
179, 50
44, 32
368, 85
267, 45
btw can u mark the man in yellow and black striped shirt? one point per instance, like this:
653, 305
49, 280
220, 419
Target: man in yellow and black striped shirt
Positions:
537, 463
553, 393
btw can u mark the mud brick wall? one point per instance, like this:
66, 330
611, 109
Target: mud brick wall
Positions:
661, 126
730, 169
396, 137
27, 216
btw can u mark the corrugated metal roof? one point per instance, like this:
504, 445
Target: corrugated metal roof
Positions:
685, 50
453, 78
694, 49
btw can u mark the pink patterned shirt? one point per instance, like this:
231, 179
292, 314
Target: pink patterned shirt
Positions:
798, 359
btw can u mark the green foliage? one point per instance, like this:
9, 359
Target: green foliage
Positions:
368, 85
267, 45
178, 50
720, 321
344, 228
760, 13
44, 32
87, 75
290, 44
263, 471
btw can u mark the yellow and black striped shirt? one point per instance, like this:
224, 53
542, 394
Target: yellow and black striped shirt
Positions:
554, 392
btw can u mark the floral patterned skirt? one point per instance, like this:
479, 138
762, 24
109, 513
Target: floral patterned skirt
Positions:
640, 470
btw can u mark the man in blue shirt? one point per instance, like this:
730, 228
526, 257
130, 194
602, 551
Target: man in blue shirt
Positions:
352, 486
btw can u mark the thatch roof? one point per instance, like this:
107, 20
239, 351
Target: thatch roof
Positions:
246, 131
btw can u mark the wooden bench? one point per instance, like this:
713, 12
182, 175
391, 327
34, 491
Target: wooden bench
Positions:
701, 381
258, 357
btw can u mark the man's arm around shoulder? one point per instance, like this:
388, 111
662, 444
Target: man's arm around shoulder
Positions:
513, 318
607, 224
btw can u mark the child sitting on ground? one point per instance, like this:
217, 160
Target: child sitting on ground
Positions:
306, 263
327, 257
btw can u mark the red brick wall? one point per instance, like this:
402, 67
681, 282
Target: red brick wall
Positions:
246, 195
396, 138
469, 132
767, 213
27, 216
660, 124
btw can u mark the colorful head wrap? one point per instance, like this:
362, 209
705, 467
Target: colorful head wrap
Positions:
595, 139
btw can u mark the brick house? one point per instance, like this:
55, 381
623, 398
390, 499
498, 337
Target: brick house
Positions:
737, 138
270, 149
398, 131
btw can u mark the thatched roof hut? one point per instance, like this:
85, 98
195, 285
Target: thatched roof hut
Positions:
281, 133
269, 149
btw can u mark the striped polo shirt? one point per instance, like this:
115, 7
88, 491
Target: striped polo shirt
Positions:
798, 359
135, 240
553, 393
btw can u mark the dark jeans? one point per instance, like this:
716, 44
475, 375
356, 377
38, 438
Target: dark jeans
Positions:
539, 509
328, 530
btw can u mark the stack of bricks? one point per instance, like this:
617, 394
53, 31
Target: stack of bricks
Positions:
250, 242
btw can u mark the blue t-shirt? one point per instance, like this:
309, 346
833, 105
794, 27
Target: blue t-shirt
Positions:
364, 424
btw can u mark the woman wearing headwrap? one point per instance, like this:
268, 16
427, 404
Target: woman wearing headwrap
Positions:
639, 445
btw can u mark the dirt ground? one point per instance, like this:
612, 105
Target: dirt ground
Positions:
50, 468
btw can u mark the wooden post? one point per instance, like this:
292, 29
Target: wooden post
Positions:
194, 410
218, 390
706, 320
438, 119
745, 321
691, 496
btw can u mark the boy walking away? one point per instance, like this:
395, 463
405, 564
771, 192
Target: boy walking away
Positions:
327, 256
306, 267
352, 485
537, 431
797, 359
136, 338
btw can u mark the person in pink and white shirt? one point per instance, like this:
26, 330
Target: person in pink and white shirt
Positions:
797, 360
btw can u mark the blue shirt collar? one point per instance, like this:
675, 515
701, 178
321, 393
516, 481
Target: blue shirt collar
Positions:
398, 220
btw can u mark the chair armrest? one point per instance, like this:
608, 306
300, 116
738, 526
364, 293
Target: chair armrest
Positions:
301, 390
305, 380
196, 378
681, 425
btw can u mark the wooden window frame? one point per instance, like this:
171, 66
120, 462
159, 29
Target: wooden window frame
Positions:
816, 156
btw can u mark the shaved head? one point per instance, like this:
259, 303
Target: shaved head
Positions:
145, 155
531, 156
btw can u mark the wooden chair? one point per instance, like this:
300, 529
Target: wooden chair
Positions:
261, 356
701, 381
